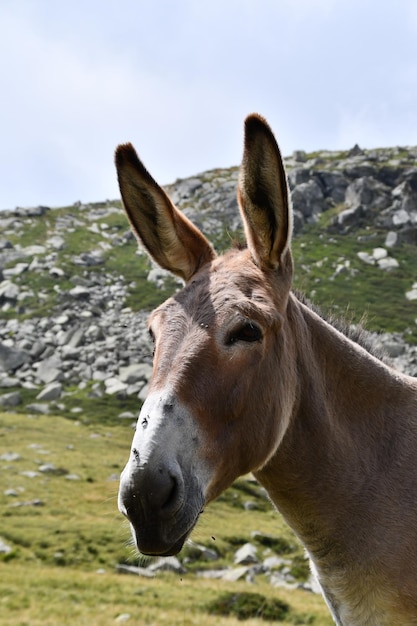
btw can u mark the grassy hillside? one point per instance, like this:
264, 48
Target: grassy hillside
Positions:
327, 267
66, 537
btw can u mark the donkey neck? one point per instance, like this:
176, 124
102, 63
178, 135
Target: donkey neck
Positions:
340, 453
345, 418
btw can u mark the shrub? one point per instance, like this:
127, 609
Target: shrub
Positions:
248, 605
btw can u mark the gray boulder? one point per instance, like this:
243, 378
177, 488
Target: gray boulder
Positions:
11, 358
50, 370
308, 198
12, 399
53, 391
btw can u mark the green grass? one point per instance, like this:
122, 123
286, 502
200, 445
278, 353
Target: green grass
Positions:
51, 575
317, 253
361, 290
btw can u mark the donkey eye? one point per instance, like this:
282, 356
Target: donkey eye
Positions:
151, 335
247, 332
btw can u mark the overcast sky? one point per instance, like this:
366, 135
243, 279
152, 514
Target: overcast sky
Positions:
177, 79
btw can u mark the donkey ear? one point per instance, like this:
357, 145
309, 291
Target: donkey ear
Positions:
263, 196
169, 237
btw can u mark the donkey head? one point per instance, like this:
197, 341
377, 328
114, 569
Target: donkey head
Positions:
222, 389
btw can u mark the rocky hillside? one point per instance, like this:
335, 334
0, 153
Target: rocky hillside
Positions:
75, 290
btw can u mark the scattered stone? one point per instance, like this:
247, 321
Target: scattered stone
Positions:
123, 617
388, 263
35, 502
167, 564
38, 407
136, 571
201, 552
412, 294
391, 239
10, 456
18, 269
115, 387
80, 293
8, 291
11, 358
237, 573
4, 547
50, 370
134, 373
9, 381
127, 415
8, 400
53, 391
379, 253
246, 555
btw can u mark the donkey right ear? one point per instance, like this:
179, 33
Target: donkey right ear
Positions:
263, 196
169, 237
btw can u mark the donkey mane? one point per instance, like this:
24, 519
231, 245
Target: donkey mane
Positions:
355, 332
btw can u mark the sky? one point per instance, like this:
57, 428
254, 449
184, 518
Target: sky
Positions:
177, 78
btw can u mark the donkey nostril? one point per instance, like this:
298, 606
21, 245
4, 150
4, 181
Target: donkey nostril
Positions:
172, 495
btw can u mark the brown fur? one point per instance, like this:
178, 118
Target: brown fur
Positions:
327, 428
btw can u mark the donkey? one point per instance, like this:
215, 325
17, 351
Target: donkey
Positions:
247, 377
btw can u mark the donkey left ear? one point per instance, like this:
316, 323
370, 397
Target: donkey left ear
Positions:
169, 237
263, 196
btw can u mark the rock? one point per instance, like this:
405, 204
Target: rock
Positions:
80, 293
412, 294
379, 253
53, 391
388, 263
89, 259
134, 373
56, 272
114, 386
49, 468
18, 269
167, 564
136, 571
35, 502
38, 407
334, 185
4, 547
10, 456
9, 381
5, 244
246, 555
237, 573
366, 258
8, 400
391, 239
127, 415
123, 617
367, 192
201, 552
143, 393
308, 198
56, 241
350, 217
11, 359
34, 250
50, 370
